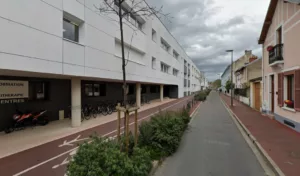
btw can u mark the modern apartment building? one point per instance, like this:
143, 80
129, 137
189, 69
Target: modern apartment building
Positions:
280, 41
226, 76
60, 53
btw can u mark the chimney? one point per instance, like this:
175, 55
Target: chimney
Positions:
248, 52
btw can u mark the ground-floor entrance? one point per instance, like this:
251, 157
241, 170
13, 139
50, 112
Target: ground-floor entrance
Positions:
257, 96
66, 97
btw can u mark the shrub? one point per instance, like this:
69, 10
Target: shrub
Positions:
207, 91
201, 96
162, 134
105, 158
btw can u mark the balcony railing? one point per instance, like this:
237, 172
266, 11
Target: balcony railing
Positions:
276, 54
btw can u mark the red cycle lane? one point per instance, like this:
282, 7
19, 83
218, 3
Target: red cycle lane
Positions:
52, 158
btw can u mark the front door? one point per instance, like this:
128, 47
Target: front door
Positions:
272, 93
257, 96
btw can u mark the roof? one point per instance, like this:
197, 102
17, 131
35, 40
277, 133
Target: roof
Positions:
268, 21
225, 70
248, 64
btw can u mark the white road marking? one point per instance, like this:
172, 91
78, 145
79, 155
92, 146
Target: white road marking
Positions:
70, 143
62, 154
66, 161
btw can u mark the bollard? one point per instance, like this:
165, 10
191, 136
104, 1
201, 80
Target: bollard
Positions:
136, 128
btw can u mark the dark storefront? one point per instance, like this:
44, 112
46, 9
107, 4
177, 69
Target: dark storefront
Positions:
50, 94
94, 92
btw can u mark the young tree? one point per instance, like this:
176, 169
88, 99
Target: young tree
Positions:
125, 9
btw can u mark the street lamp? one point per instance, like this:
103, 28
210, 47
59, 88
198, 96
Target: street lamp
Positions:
231, 51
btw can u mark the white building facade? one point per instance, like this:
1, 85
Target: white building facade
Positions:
225, 77
65, 53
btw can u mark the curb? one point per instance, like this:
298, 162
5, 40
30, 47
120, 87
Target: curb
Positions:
266, 156
195, 110
155, 166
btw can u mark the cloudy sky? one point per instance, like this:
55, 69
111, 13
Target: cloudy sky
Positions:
206, 28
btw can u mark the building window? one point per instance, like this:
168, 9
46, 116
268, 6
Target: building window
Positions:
88, 89
289, 90
94, 90
132, 18
175, 54
164, 68
38, 90
164, 45
175, 72
153, 63
70, 30
153, 35
279, 35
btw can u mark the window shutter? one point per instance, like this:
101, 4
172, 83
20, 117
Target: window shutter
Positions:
297, 90
280, 89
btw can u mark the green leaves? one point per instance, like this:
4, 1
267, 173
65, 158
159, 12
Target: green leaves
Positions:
104, 158
162, 134
159, 137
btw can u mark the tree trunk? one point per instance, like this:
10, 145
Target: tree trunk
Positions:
123, 60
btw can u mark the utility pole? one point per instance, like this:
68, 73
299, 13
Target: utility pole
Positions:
231, 76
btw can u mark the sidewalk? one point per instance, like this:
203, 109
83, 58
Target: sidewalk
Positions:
52, 158
281, 143
31, 137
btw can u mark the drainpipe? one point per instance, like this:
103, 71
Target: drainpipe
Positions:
263, 78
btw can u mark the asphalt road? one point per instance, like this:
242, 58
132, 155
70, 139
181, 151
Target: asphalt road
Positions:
213, 146
51, 159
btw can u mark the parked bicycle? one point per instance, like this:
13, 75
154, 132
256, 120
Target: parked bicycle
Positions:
88, 111
144, 100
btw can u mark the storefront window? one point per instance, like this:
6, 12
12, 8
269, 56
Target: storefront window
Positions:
38, 90
95, 90
89, 90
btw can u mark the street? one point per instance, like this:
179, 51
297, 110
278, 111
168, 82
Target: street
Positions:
52, 158
212, 146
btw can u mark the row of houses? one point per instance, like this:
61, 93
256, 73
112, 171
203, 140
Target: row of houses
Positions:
271, 84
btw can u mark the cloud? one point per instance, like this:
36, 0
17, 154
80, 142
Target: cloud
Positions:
206, 28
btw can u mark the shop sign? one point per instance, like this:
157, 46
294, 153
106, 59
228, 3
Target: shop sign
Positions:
13, 91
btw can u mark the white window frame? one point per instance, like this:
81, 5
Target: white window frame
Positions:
154, 35
164, 67
153, 63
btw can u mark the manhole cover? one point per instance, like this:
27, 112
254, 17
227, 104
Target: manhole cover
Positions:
295, 154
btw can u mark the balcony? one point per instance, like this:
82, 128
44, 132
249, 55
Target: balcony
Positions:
276, 55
